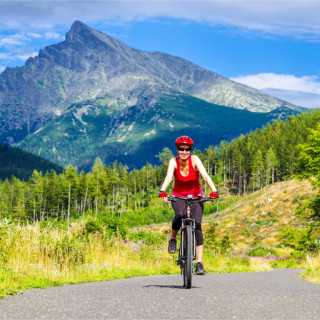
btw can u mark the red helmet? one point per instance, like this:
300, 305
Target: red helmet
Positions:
184, 140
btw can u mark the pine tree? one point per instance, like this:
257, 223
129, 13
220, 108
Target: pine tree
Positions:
271, 164
309, 164
258, 168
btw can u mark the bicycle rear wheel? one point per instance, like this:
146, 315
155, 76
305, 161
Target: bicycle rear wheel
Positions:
188, 255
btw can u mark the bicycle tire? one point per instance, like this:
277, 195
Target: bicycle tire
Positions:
187, 270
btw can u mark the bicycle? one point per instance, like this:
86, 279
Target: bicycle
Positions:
187, 249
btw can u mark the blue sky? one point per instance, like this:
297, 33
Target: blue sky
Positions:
271, 45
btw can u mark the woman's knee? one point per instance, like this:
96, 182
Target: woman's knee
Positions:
198, 234
176, 223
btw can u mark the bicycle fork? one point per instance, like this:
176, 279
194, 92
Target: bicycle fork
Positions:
191, 221
182, 254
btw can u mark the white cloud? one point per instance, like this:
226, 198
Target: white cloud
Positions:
303, 91
304, 99
53, 35
26, 56
18, 54
5, 56
21, 45
2, 68
16, 39
309, 84
34, 35
298, 18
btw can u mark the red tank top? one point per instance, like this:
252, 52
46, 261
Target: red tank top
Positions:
190, 184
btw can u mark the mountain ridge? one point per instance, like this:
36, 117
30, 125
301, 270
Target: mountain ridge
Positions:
137, 134
91, 64
92, 95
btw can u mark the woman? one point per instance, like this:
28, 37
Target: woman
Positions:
186, 169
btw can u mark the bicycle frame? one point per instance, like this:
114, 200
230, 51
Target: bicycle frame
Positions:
188, 220
184, 222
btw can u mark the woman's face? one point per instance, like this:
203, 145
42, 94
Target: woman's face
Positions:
184, 151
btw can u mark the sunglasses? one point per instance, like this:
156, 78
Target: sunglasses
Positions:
184, 149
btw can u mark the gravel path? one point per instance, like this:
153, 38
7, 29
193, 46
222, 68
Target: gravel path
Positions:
278, 294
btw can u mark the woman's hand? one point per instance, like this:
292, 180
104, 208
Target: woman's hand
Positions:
163, 195
214, 195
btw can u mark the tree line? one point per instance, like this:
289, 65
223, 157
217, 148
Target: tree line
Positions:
242, 165
261, 157
20, 163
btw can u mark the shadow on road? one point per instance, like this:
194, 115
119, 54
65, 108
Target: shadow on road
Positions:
167, 286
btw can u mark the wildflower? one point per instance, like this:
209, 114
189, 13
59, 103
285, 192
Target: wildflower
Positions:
97, 232
104, 228
107, 238
83, 227
117, 229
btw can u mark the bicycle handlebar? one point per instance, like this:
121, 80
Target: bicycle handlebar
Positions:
197, 199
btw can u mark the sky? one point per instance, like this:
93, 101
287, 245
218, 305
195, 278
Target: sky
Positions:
271, 45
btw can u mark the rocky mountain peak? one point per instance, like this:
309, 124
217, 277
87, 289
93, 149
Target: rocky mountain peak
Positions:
91, 65
78, 30
92, 39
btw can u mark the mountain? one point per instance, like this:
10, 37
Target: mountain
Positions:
90, 64
136, 135
21, 164
92, 95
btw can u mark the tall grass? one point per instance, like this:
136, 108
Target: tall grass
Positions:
36, 256
312, 266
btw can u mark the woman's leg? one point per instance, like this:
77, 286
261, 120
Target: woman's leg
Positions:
174, 233
178, 207
197, 215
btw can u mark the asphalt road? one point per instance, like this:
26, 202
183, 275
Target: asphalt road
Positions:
279, 294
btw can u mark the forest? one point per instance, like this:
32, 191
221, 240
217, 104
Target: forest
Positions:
21, 164
243, 165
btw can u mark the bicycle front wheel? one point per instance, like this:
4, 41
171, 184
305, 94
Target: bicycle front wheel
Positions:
188, 252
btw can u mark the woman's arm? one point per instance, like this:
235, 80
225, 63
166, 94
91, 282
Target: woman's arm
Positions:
203, 172
170, 172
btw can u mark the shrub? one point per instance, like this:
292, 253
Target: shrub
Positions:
261, 251
146, 237
223, 246
93, 227
105, 225
301, 240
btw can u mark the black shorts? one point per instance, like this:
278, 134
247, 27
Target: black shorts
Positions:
196, 214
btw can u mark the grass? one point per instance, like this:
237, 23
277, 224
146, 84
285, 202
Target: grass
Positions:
34, 256
260, 215
312, 267
245, 236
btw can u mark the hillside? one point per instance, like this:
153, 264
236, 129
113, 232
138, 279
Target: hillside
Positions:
259, 217
136, 135
21, 164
